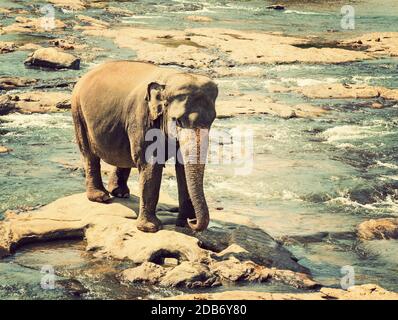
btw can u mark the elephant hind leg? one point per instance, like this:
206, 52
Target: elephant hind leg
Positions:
94, 187
117, 184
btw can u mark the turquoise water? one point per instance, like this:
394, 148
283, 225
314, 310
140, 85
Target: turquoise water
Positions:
312, 182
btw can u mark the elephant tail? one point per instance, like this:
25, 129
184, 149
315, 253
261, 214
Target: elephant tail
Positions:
80, 126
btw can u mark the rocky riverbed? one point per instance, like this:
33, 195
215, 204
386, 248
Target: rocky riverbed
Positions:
316, 201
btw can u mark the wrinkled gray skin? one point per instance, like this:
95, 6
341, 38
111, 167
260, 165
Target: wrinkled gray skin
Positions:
114, 105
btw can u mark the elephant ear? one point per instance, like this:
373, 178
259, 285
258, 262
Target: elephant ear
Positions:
154, 98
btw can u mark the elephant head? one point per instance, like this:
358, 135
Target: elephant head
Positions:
188, 102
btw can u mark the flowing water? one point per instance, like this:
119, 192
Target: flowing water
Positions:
312, 181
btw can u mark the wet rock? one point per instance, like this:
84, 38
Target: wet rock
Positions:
52, 58
9, 83
377, 229
278, 7
6, 47
147, 273
35, 102
198, 19
31, 25
225, 252
6, 105
360, 292
190, 275
4, 150
72, 286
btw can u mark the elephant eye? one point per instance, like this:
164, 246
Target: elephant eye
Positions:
180, 97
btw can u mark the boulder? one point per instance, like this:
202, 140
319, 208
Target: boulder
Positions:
225, 253
359, 292
377, 229
53, 59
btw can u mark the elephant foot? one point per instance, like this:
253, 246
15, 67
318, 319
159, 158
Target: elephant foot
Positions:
182, 222
120, 191
146, 224
96, 195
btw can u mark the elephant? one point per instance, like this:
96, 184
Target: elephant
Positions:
115, 105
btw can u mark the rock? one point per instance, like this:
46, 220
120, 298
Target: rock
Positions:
119, 11
30, 47
35, 102
220, 254
377, 229
9, 83
198, 19
147, 273
276, 7
4, 150
67, 44
377, 44
211, 49
31, 25
69, 4
6, 47
92, 21
190, 275
52, 58
256, 104
5, 11
6, 105
341, 91
360, 292
72, 286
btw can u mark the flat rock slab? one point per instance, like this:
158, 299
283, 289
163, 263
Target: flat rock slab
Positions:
362, 292
341, 91
227, 252
214, 48
35, 102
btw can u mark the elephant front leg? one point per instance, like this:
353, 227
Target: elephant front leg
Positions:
186, 210
150, 180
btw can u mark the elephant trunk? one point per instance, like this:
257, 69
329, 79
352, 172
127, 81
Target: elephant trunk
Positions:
194, 146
